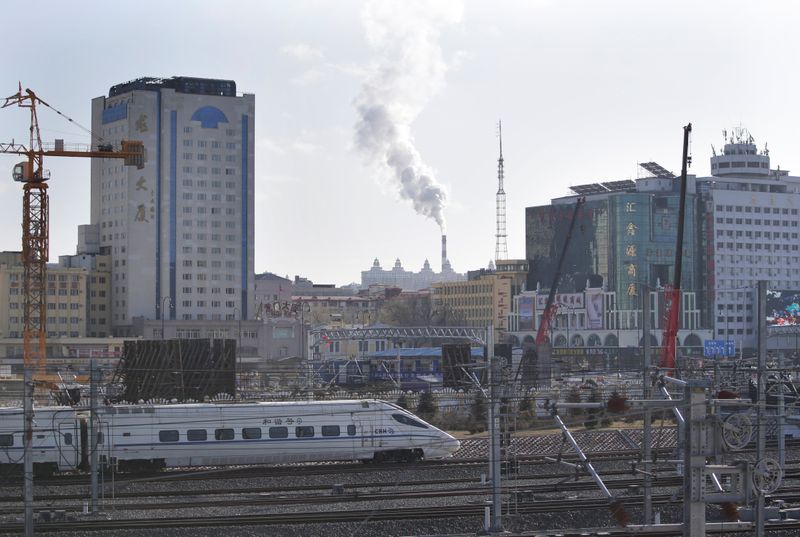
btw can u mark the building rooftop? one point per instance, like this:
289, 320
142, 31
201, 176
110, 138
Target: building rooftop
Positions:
181, 84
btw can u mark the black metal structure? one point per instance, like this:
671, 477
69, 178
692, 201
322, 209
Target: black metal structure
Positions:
181, 369
456, 357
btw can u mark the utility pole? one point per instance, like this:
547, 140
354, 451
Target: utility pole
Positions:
496, 525
646, 429
93, 433
761, 407
694, 461
28, 448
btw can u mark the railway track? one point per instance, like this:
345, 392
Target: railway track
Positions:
311, 469
473, 509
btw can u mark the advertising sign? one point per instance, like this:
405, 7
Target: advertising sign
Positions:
783, 308
574, 300
594, 310
525, 313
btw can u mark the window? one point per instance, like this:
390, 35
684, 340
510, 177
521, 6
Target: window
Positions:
330, 430
351, 430
405, 420
168, 436
6, 440
279, 432
304, 431
67, 439
251, 433
223, 434
196, 435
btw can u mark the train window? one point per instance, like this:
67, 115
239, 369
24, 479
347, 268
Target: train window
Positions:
405, 420
67, 439
330, 430
196, 435
304, 431
40, 436
251, 433
351, 430
136, 410
99, 437
126, 434
223, 434
6, 440
167, 436
278, 432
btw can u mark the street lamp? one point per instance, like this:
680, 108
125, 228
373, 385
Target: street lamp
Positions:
162, 312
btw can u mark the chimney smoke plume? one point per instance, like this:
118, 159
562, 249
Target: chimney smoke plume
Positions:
410, 70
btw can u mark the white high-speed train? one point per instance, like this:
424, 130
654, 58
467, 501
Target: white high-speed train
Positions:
157, 436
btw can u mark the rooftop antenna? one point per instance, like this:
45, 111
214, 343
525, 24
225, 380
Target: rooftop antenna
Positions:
501, 249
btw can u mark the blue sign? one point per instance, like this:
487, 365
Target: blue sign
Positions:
719, 347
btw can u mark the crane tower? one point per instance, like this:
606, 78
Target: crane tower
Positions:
35, 230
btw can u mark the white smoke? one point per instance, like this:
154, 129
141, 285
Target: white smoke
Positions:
411, 69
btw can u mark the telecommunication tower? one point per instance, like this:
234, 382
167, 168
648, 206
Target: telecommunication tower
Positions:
501, 249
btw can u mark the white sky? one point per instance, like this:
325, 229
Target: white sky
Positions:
585, 91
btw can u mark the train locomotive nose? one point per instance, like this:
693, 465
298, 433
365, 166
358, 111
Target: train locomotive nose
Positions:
449, 444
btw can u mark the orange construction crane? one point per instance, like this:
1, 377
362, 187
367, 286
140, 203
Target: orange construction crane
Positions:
35, 233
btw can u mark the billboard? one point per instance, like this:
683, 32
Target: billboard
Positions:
783, 308
594, 310
525, 313
574, 300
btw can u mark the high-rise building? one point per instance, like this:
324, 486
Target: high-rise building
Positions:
750, 233
623, 238
179, 231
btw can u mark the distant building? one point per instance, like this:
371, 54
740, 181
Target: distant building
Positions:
406, 279
269, 290
68, 292
483, 300
742, 225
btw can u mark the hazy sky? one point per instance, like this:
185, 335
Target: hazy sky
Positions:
585, 90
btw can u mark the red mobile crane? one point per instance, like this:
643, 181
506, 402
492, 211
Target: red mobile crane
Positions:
673, 295
35, 230
550, 308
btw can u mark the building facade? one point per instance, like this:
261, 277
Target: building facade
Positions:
623, 237
483, 300
750, 232
180, 231
594, 330
69, 297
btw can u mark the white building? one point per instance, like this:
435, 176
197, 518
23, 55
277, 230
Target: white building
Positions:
180, 231
752, 230
407, 280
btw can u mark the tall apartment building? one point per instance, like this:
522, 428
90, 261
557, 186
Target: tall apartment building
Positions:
750, 232
180, 231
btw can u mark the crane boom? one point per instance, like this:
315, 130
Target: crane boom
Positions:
35, 211
550, 307
549, 310
673, 295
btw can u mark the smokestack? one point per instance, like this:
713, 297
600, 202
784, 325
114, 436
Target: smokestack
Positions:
444, 251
